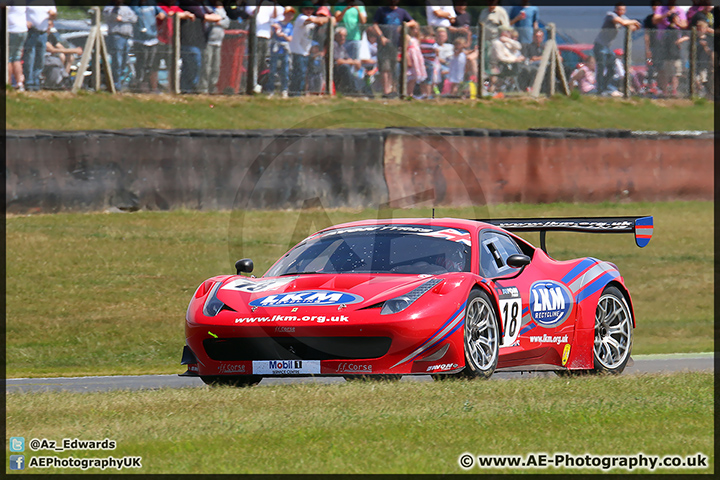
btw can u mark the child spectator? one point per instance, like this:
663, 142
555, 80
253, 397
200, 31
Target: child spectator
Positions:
316, 69
415, 64
456, 76
583, 77
429, 49
211, 55
515, 35
368, 57
444, 52
280, 53
145, 42
525, 20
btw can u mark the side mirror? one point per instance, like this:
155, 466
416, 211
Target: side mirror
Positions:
517, 261
244, 265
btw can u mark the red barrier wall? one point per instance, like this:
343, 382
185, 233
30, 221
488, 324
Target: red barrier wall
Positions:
464, 170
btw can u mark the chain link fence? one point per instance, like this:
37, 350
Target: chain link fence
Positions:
232, 57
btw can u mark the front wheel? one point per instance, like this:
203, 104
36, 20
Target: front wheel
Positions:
482, 334
613, 332
231, 380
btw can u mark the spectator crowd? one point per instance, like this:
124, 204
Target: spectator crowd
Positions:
292, 47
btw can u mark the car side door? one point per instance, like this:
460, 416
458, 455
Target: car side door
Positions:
522, 295
495, 249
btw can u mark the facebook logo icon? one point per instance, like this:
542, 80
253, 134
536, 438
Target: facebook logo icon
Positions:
17, 444
17, 462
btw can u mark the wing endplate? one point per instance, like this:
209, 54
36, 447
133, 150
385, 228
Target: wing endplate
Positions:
643, 231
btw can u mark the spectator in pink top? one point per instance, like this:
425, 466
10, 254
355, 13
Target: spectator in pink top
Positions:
584, 76
416, 72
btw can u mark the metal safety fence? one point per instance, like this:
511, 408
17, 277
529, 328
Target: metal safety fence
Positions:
190, 55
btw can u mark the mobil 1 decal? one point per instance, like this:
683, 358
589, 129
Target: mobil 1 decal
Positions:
550, 303
510, 312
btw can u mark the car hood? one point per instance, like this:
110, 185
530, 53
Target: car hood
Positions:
244, 294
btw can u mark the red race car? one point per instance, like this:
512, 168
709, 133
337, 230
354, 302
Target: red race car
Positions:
446, 297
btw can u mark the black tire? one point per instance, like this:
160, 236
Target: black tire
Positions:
613, 332
481, 357
482, 342
231, 380
372, 378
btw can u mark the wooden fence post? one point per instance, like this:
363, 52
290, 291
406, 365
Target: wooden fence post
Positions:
626, 62
693, 62
95, 42
403, 61
175, 60
330, 57
481, 60
7, 43
252, 54
553, 58
97, 75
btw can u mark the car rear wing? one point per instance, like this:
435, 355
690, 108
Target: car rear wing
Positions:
641, 227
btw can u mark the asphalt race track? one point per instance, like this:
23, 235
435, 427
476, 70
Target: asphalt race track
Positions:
642, 364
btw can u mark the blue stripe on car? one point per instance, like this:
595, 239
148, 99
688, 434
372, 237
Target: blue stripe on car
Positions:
527, 328
596, 285
577, 270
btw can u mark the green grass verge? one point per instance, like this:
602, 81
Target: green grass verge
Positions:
405, 427
101, 294
85, 111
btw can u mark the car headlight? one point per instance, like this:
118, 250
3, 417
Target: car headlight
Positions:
212, 304
398, 304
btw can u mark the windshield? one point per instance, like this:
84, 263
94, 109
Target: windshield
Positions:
405, 249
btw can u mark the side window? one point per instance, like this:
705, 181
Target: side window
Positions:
495, 248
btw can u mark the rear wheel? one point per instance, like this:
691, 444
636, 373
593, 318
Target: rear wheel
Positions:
231, 380
613, 332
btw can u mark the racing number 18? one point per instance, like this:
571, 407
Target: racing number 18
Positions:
510, 310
